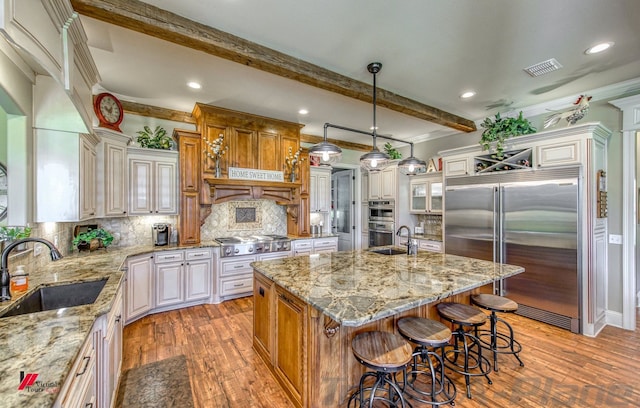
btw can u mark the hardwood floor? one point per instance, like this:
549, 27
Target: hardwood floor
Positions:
561, 369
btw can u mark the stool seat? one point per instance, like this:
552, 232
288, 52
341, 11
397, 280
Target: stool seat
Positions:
461, 314
381, 350
426, 332
494, 303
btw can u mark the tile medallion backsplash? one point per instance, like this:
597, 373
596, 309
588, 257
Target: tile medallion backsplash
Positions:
247, 217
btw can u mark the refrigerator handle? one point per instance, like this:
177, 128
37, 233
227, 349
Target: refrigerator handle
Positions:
498, 287
495, 225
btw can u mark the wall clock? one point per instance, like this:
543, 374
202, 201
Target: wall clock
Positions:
109, 111
4, 198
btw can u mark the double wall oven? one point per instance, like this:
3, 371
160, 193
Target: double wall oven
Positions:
381, 222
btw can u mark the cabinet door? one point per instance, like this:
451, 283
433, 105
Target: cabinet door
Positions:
364, 187
115, 179
290, 341
558, 154
112, 358
262, 301
169, 287
87, 180
435, 197
140, 190
243, 148
139, 288
324, 191
375, 180
289, 143
198, 279
214, 132
388, 183
313, 195
190, 159
165, 188
418, 198
269, 151
456, 167
190, 218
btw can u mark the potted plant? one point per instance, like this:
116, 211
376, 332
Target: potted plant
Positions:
393, 153
10, 234
156, 139
501, 129
93, 239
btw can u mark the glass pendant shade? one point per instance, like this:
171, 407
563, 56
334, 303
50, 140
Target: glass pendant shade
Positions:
412, 166
327, 152
375, 160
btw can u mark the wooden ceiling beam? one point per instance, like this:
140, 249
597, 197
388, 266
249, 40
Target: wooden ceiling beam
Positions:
340, 143
157, 112
144, 18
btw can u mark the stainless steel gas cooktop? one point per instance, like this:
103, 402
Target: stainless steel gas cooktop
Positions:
253, 244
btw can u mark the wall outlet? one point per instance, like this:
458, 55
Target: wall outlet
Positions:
37, 249
615, 239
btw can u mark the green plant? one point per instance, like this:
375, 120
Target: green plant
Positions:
501, 129
97, 233
393, 153
156, 139
13, 233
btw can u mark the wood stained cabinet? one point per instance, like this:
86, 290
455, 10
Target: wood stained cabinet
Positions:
262, 310
191, 160
289, 345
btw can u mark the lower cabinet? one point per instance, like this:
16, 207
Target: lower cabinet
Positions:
168, 280
280, 335
112, 353
236, 274
79, 390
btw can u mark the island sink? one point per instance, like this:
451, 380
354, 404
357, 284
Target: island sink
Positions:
57, 297
388, 251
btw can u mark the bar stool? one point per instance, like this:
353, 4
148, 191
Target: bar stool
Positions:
430, 336
466, 344
498, 342
385, 353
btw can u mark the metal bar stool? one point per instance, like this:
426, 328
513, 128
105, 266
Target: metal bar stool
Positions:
385, 353
466, 344
498, 342
430, 336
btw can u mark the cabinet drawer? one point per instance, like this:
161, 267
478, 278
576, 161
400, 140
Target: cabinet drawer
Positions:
236, 267
324, 243
195, 254
433, 246
81, 377
174, 256
302, 245
236, 286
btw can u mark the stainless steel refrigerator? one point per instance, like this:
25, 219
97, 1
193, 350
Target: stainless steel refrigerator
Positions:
526, 218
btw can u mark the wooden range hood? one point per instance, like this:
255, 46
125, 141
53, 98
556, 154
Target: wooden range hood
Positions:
222, 190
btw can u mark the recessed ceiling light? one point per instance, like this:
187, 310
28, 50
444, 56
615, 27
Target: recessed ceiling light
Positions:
194, 85
599, 48
373, 128
467, 94
303, 111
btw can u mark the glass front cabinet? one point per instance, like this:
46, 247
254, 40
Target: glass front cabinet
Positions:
426, 194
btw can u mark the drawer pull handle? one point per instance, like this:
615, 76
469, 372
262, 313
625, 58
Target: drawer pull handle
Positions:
118, 318
286, 299
88, 405
238, 285
86, 364
238, 266
197, 254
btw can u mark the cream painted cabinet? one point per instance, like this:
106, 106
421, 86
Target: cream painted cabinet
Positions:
153, 182
80, 388
314, 246
198, 274
112, 174
382, 184
320, 189
139, 287
111, 361
65, 176
426, 194
169, 273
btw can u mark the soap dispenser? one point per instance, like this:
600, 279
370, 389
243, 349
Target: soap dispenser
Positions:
19, 280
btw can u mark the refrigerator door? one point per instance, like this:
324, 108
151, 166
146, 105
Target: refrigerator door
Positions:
470, 229
538, 230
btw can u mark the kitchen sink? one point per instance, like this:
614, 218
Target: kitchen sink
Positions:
57, 297
389, 251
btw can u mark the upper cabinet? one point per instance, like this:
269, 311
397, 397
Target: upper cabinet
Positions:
112, 174
320, 186
426, 194
382, 184
248, 141
50, 32
153, 181
65, 176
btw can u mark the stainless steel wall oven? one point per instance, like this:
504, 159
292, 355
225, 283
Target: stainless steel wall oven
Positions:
381, 222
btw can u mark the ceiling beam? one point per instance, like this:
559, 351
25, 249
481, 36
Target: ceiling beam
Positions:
144, 18
157, 112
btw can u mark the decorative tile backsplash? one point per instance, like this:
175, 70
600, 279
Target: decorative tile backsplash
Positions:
270, 218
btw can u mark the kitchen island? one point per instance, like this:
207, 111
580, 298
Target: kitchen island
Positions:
308, 308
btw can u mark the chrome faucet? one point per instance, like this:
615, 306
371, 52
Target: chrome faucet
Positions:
5, 293
412, 244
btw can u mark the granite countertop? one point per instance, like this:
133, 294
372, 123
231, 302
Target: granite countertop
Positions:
48, 343
357, 287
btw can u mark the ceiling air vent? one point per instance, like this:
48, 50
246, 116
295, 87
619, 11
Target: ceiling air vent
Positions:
543, 67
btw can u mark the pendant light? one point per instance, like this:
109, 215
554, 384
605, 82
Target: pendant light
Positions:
375, 160
326, 152
412, 166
